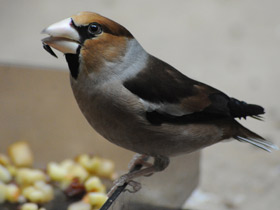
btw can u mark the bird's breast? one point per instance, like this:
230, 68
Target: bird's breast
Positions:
110, 111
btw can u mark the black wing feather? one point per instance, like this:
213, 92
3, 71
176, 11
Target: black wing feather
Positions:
161, 83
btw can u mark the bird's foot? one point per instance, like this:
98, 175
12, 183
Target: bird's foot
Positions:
160, 163
135, 186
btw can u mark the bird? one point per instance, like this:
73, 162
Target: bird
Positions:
140, 102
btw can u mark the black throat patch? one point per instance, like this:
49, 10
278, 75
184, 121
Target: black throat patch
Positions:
73, 64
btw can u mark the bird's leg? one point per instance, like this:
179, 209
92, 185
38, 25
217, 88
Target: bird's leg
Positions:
139, 159
160, 163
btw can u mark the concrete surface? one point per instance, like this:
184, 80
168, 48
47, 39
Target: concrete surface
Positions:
233, 45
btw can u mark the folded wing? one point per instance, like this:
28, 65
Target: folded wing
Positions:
170, 96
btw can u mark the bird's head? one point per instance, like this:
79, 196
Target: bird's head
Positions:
90, 42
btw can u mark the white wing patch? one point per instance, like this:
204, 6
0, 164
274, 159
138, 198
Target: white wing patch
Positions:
171, 109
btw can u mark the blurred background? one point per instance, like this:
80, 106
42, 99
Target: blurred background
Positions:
233, 45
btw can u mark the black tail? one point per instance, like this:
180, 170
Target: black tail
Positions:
241, 109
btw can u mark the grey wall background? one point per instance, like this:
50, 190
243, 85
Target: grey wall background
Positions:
230, 44
233, 45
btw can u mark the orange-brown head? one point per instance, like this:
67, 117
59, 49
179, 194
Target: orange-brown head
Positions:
88, 39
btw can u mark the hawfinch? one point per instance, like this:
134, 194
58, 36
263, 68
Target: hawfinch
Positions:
138, 101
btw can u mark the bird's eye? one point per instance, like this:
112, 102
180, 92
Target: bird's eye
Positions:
94, 29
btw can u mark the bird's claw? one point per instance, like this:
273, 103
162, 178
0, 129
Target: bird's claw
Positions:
136, 186
120, 181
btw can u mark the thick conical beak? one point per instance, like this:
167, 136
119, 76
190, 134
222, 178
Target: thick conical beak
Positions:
62, 37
